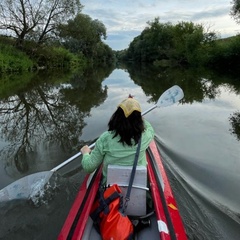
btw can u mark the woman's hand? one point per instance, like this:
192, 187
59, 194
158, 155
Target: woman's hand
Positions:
85, 149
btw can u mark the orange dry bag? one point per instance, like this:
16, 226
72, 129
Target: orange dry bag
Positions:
107, 212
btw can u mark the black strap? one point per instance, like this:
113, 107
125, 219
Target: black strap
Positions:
103, 203
127, 198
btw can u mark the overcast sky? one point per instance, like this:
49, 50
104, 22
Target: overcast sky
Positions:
126, 19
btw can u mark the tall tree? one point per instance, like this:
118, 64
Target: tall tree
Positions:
82, 34
35, 19
179, 43
235, 10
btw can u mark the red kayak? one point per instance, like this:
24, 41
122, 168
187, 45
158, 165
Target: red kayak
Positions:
165, 220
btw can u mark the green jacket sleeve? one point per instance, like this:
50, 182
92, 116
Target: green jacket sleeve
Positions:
92, 161
148, 133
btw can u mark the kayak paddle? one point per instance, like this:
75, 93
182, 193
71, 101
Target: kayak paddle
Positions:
32, 185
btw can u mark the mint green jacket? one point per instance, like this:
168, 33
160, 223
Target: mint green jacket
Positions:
109, 150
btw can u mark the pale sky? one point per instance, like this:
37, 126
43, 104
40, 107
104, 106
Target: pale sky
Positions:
126, 19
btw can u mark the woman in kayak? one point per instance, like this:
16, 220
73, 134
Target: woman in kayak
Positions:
118, 145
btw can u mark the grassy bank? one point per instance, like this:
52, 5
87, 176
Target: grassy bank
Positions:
13, 60
32, 57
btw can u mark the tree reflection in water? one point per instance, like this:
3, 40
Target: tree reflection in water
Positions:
51, 113
197, 84
235, 122
47, 113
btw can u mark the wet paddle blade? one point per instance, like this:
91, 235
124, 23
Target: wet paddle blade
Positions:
25, 187
170, 96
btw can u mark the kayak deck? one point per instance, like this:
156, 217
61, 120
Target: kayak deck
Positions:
165, 220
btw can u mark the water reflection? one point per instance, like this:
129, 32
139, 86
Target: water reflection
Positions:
49, 113
235, 122
44, 118
198, 85
49, 108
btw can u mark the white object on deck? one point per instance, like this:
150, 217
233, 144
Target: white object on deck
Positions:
121, 176
162, 226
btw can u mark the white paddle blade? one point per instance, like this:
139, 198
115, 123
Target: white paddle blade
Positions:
170, 96
24, 187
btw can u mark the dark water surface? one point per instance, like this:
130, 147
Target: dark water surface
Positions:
44, 124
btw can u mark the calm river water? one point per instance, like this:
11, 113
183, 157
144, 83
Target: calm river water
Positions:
45, 121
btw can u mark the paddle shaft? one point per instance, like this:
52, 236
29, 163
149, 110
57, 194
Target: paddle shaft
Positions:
91, 146
169, 97
69, 160
21, 189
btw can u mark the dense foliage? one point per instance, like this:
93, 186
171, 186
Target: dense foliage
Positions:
165, 43
225, 54
12, 60
31, 56
183, 44
54, 33
84, 35
51, 34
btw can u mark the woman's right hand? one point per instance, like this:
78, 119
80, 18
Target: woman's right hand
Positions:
85, 149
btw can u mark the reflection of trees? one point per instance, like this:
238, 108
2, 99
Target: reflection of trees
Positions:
196, 83
155, 81
39, 115
235, 122
47, 113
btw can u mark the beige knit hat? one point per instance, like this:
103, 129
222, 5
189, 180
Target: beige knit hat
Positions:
129, 105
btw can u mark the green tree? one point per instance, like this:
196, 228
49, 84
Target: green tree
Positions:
188, 40
35, 19
160, 43
82, 34
153, 42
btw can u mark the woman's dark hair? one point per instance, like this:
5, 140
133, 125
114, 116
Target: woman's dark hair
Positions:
127, 128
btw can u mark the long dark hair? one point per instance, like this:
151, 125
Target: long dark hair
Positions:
127, 128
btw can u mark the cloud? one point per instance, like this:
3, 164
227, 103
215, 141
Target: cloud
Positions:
211, 13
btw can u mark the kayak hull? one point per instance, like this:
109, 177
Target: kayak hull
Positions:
166, 222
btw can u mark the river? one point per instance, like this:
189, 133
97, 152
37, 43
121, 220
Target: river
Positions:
46, 121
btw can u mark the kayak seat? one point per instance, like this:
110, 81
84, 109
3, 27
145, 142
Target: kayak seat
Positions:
120, 175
